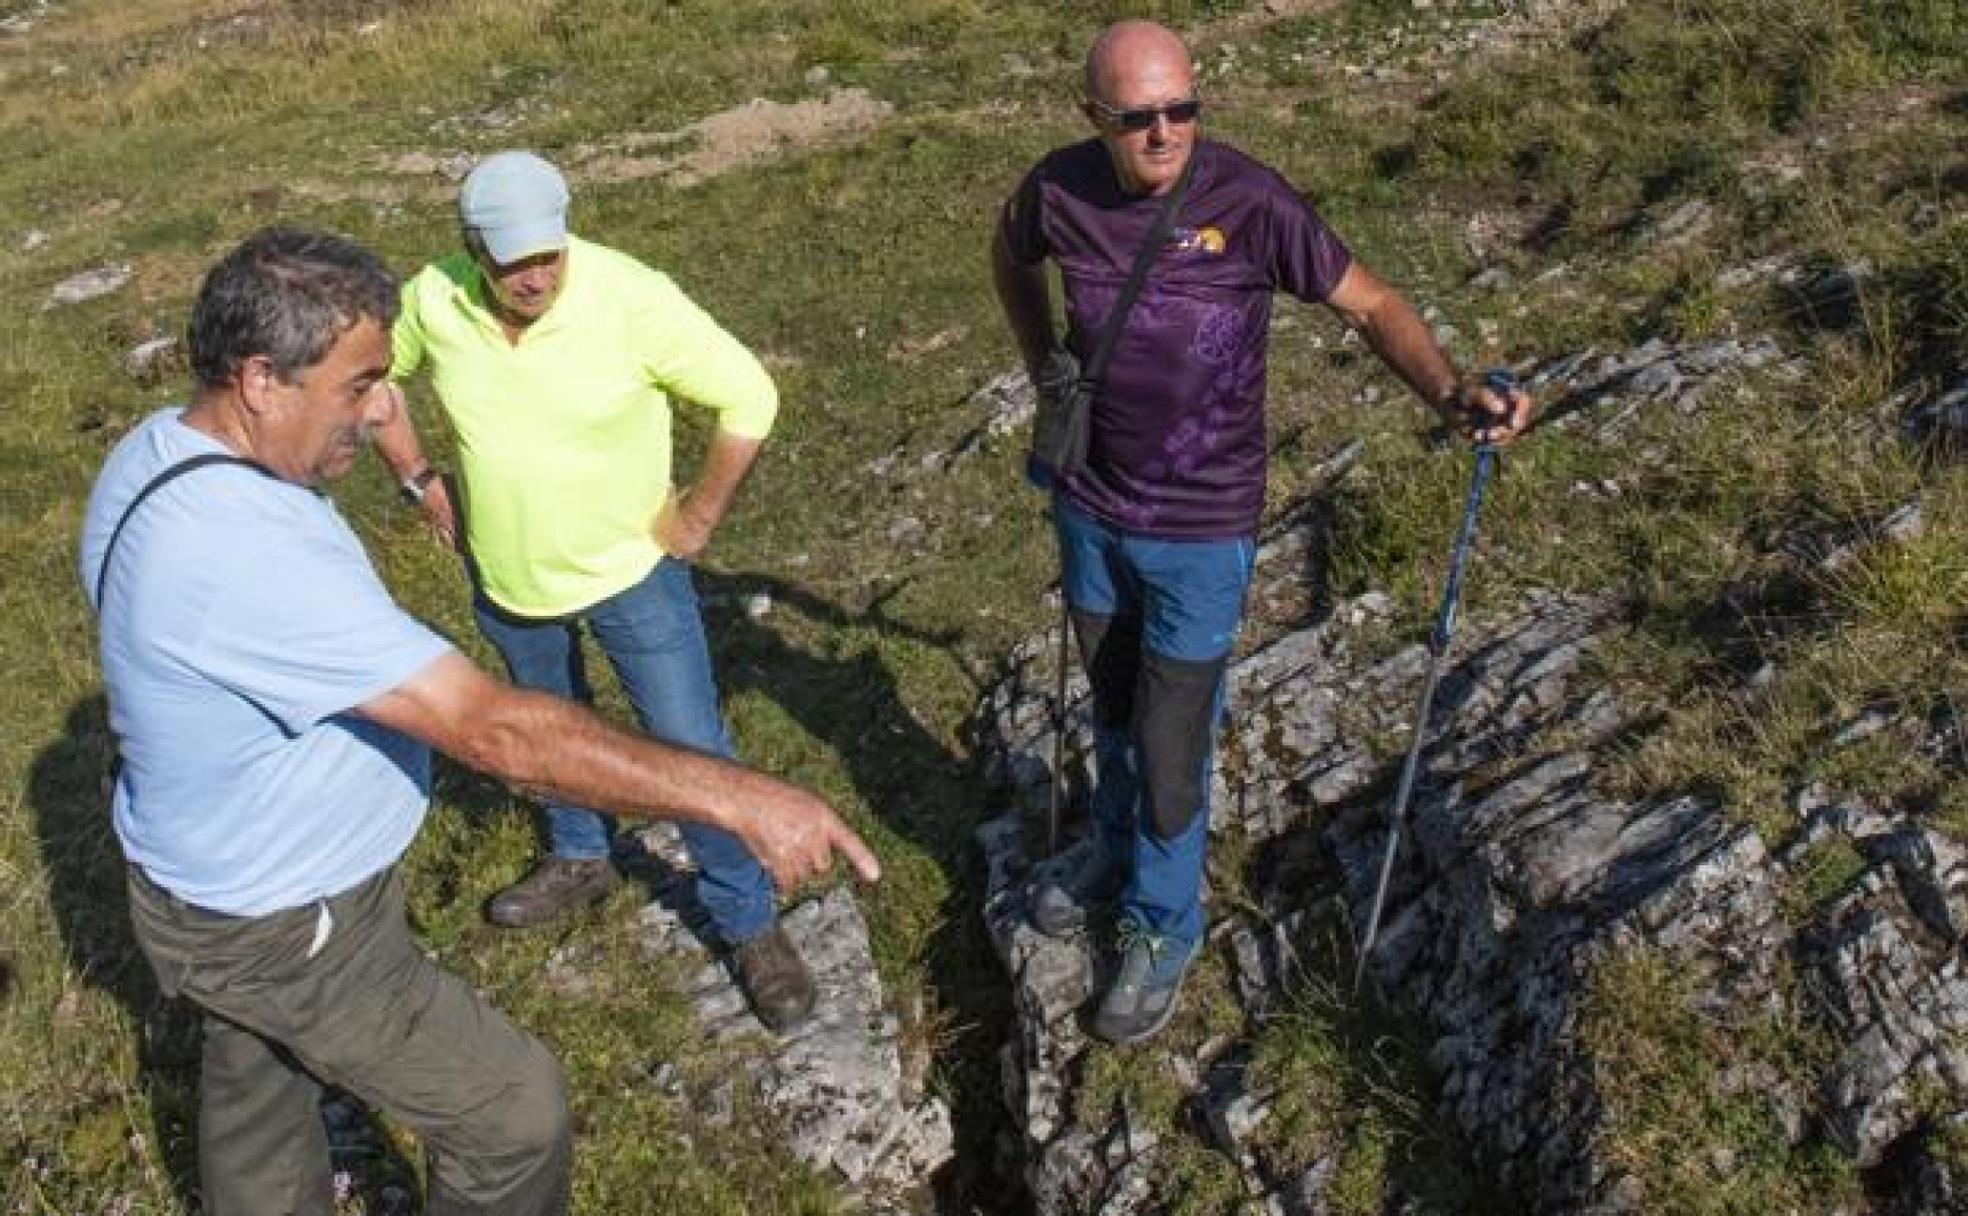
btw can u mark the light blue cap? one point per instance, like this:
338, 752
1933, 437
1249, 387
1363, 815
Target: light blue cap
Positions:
516, 203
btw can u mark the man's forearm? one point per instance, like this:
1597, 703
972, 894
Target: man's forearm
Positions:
1397, 334
726, 462
1405, 344
554, 749
396, 440
1027, 303
564, 751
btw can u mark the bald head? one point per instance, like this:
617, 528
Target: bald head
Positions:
1141, 99
1129, 48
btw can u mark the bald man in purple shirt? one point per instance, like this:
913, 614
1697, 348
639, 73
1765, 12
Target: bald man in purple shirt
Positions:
1156, 528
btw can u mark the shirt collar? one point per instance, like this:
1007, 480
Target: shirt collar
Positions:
474, 295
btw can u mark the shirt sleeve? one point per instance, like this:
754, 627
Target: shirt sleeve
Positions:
1021, 222
687, 354
407, 335
1307, 258
303, 629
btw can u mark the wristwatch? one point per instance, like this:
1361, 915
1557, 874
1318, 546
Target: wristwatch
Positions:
416, 485
1457, 406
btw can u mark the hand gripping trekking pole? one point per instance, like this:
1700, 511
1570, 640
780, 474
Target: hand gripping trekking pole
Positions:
1502, 383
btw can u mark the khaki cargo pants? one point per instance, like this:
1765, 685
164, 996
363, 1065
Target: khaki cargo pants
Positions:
337, 993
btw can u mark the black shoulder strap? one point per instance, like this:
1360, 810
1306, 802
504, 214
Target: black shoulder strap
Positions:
1110, 332
170, 474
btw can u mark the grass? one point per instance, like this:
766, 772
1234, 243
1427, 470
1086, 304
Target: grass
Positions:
1349, 1086
1688, 1097
158, 134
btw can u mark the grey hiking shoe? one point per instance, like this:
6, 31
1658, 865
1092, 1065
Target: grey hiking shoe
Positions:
1143, 997
775, 979
555, 885
1060, 906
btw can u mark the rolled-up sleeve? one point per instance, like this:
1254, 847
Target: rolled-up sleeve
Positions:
407, 334
689, 355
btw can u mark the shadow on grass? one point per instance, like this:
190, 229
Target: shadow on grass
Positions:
88, 897
921, 790
86, 894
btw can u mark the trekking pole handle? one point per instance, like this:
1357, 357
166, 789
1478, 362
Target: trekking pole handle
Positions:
1502, 382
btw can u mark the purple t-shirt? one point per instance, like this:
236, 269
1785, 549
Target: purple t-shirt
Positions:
1178, 442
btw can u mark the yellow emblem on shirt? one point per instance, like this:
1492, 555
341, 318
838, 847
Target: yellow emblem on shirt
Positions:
1200, 240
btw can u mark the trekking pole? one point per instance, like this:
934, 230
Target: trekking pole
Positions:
1501, 382
1059, 726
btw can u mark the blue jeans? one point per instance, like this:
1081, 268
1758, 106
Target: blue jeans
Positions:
653, 636
1156, 620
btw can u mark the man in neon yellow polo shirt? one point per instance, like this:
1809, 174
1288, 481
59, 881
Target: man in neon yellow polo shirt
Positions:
555, 360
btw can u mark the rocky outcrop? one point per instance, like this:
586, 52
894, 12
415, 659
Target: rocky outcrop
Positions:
837, 1083
1519, 879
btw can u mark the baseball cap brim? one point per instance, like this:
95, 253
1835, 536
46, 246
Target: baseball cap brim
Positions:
516, 242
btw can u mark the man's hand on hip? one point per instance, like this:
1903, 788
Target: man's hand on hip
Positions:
680, 530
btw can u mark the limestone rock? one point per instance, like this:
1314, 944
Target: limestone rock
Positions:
147, 361
838, 1081
89, 285
1604, 393
1518, 877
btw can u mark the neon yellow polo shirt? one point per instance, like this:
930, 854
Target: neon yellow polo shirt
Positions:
564, 436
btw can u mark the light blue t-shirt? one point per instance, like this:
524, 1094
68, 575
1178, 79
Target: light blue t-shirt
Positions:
241, 622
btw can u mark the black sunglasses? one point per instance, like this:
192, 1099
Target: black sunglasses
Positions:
1140, 118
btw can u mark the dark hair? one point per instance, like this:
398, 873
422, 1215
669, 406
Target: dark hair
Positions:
287, 294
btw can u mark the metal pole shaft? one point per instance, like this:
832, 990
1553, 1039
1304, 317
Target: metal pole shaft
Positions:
1438, 645
1059, 726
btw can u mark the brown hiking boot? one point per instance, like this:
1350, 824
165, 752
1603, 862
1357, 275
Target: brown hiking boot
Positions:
554, 886
775, 980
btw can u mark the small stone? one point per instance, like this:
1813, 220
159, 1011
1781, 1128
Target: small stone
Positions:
89, 285
146, 360
757, 605
1684, 223
1905, 523
33, 240
817, 76
1374, 604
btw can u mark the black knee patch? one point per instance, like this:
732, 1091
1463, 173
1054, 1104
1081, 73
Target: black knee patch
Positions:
1174, 706
1110, 650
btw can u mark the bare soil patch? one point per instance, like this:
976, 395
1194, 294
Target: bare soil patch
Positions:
744, 135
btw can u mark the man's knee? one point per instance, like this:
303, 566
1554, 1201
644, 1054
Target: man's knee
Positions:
534, 1118
1175, 717
1110, 651
513, 1154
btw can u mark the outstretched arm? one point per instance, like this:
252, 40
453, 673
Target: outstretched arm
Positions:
1402, 339
546, 746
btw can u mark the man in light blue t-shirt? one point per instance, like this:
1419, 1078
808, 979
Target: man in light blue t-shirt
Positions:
274, 711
